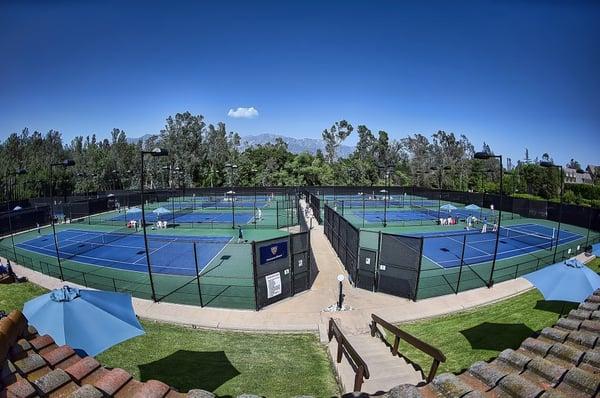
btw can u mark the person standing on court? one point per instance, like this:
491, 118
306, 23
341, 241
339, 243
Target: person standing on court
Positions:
240, 234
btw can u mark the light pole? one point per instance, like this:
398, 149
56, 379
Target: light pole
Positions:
440, 179
156, 152
65, 163
340, 303
484, 156
231, 168
12, 238
549, 164
254, 171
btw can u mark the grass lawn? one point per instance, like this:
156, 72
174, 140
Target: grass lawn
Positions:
482, 333
595, 265
227, 363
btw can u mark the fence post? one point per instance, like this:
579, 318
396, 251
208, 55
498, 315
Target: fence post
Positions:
419, 269
277, 213
198, 275
254, 275
291, 262
462, 262
376, 279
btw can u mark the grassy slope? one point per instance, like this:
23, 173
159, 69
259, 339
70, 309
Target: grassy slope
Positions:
480, 334
228, 363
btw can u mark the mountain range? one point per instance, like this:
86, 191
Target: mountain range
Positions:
295, 145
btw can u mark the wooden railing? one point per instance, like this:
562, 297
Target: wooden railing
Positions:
361, 369
433, 352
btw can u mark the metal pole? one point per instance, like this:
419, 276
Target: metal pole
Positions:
462, 262
198, 275
559, 214
144, 229
491, 280
62, 278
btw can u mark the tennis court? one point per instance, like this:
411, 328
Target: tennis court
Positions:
417, 213
189, 217
446, 249
170, 255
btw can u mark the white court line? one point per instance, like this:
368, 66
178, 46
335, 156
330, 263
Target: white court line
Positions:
215, 256
514, 250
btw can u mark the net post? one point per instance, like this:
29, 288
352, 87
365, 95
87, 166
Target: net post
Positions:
197, 274
254, 276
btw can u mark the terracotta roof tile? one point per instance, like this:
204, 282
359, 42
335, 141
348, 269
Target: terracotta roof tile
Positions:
487, 373
152, 389
22, 388
580, 380
554, 334
582, 338
568, 324
591, 326
566, 353
41, 342
516, 359
83, 368
112, 381
580, 314
517, 386
86, 391
547, 370
200, 394
52, 381
30, 363
536, 346
451, 386
129, 389
589, 306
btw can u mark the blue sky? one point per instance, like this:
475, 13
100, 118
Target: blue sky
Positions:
513, 74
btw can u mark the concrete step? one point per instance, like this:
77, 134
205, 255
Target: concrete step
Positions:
386, 371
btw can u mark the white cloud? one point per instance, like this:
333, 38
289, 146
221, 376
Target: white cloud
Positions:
246, 113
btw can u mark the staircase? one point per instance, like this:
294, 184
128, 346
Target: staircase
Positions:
385, 370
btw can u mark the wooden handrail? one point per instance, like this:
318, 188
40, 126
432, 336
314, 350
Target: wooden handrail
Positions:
398, 333
362, 370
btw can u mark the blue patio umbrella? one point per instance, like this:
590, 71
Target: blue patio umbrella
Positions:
134, 210
566, 281
448, 207
472, 207
160, 211
87, 320
17, 208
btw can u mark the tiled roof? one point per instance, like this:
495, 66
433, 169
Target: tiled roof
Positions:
563, 361
35, 366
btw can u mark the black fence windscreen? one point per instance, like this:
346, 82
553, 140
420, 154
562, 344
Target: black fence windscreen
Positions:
399, 265
344, 239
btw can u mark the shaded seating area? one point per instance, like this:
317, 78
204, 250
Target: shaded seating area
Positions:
562, 361
35, 366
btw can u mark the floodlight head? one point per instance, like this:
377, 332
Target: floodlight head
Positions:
482, 155
546, 163
159, 152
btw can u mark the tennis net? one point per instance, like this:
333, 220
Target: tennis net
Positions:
434, 214
531, 238
79, 245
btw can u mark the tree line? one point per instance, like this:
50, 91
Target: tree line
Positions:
200, 152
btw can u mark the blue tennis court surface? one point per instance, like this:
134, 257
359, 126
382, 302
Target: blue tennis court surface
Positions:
446, 248
193, 217
411, 215
173, 255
